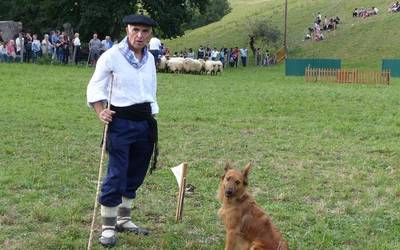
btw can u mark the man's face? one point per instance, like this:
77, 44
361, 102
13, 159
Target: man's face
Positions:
138, 35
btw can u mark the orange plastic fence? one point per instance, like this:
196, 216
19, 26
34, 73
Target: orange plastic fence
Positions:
347, 76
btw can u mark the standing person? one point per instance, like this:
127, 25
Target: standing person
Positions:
258, 57
132, 131
200, 52
36, 48
214, 54
19, 44
190, 53
77, 48
11, 54
222, 56
66, 47
243, 56
46, 46
28, 47
94, 49
1, 37
3, 52
59, 48
154, 46
107, 43
266, 58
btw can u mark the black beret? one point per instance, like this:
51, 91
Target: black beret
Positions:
139, 19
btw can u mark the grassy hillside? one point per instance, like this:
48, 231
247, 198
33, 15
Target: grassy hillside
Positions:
361, 42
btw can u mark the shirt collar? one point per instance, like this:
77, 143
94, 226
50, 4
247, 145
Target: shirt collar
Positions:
130, 55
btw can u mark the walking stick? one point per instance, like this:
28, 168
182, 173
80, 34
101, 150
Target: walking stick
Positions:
90, 52
103, 149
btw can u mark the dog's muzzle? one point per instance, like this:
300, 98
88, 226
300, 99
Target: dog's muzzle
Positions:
229, 192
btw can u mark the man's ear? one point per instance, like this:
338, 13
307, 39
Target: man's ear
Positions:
245, 173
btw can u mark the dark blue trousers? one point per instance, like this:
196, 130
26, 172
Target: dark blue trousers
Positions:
129, 152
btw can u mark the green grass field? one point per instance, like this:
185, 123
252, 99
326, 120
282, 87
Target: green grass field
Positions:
326, 159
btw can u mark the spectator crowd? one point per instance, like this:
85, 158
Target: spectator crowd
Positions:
321, 25
54, 47
365, 12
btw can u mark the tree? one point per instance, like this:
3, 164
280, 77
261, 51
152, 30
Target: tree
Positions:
214, 11
104, 17
261, 31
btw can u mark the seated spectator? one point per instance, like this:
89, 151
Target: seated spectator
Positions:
319, 36
394, 7
332, 24
326, 23
355, 12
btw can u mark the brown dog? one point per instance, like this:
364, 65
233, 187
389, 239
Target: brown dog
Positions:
247, 225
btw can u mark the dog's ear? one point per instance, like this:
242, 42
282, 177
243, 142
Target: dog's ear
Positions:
245, 173
226, 168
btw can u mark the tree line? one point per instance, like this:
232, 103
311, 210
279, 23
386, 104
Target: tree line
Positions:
105, 17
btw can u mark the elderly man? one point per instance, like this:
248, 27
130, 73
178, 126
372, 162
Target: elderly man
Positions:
132, 130
94, 49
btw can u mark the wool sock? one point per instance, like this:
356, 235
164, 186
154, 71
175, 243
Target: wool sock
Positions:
109, 215
124, 213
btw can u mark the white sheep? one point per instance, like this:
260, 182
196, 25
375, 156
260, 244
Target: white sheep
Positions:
196, 67
203, 65
162, 66
219, 67
210, 67
175, 64
187, 65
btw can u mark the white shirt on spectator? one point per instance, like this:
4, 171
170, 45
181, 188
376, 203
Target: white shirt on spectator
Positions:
36, 46
214, 54
243, 52
77, 41
130, 85
3, 49
19, 44
154, 43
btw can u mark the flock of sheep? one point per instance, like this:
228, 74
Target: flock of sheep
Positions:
189, 65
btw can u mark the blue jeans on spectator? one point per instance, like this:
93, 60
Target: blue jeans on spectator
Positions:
3, 58
244, 60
